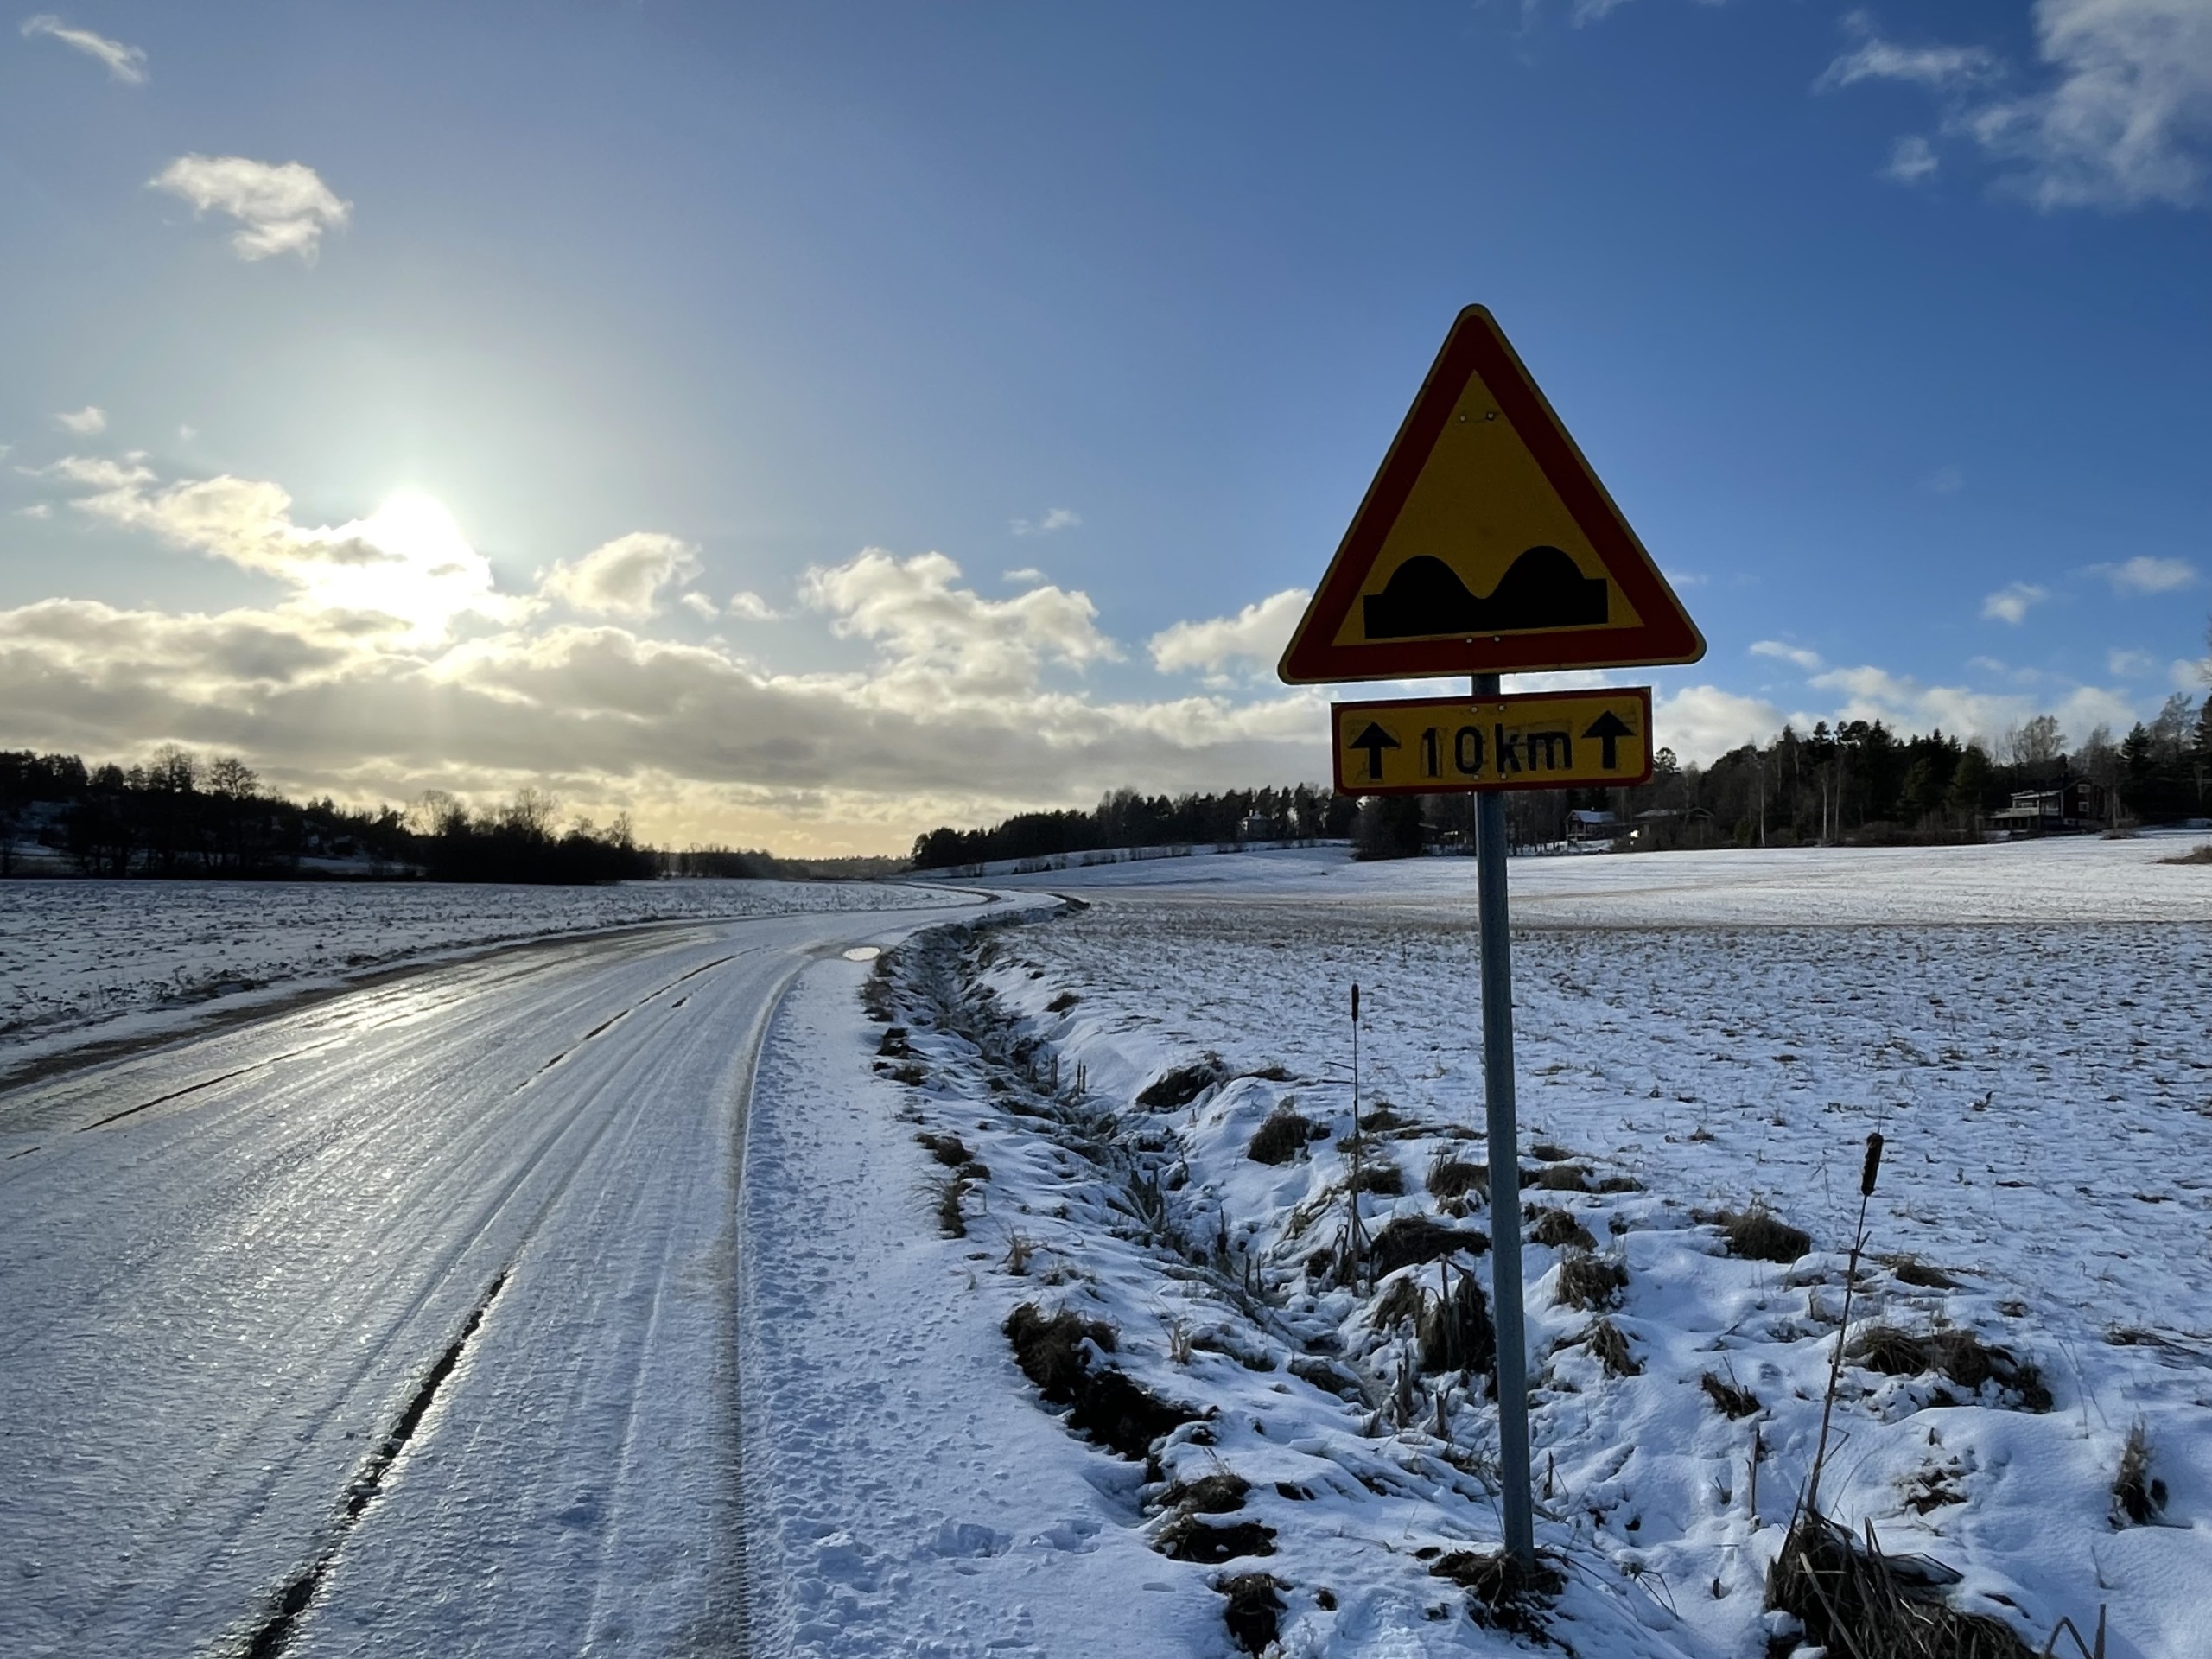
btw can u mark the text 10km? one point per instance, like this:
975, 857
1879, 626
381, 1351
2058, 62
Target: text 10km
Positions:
1532, 740
1515, 751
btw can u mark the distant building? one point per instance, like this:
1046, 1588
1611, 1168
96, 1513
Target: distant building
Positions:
1257, 826
2070, 808
1586, 824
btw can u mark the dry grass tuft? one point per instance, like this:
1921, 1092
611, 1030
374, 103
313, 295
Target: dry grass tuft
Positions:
1410, 1239
1607, 1341
1281, 1138
1384, 1180
951, 1221
1555, 1229
2138, 1496
894, 1043
1105, 1405
1186, 1538
1501, 1594
1910, 1270
1182, 1085
1592, 1282
1852, 1600
1049, 1347
1063, 1002
1759, 1234
877, 993
948, 1149
2193, 855
1955, 1354
1449, 1177
1562, 1178
1455, 1330
1733, 1401
1255, 1610
1220, 1493
1401, 1302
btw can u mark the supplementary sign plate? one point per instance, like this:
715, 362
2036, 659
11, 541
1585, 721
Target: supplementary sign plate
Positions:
1541, 740
1486, 545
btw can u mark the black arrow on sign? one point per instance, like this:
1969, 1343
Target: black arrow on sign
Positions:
1608, 728
1374, 740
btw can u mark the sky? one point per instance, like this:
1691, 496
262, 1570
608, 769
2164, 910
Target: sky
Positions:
802, 424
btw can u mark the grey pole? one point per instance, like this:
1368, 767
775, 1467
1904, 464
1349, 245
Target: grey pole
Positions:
1505, 1165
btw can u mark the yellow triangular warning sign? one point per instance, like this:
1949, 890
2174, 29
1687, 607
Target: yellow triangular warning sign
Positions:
1486, 545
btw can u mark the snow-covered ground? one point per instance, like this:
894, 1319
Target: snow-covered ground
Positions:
1698, 1034
134, 955
2056, 880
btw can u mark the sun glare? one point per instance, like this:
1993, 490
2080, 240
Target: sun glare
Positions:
413, 563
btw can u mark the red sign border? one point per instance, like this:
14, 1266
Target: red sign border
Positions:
1642, 693
1476, 345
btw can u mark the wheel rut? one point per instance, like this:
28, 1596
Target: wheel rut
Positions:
274, 1634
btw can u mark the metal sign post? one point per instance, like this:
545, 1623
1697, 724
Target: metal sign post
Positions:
1505, 1165
1487, 545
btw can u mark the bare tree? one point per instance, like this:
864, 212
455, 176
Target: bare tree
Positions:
2039, 743
233, 780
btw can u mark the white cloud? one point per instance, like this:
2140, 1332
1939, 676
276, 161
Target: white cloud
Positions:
945, 645
1255, 636
1700, 722
1944, 481
1027, 576
124, 63
952, 720
1912, 159
1876, 59
388, 663
2146, 576
623, 577
37, 509
699, 605
1872, 693
99, 472
2129, 664
2123, 116
282, 208
84, 422
2010, 603
1686, 578
1810, 661
1054, 518
750, 606
406, 568
2128, 118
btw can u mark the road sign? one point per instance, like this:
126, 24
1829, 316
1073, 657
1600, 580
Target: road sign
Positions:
1486, 545
1541, 740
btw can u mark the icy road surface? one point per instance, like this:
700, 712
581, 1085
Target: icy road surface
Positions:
401, 1324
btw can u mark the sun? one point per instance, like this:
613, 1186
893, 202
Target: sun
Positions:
408, 560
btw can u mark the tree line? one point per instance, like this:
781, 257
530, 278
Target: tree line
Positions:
1858, 781
179, 817
1127, 818
1861, 781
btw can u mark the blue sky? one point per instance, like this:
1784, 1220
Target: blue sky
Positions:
804, 423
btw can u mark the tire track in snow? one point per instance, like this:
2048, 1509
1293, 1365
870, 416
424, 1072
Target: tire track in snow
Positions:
275, 1632
611, 1021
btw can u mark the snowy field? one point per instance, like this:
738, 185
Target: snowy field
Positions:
1700, 1036
128, 955
2058, 880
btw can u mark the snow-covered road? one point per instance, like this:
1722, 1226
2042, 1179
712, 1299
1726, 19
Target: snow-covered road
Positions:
401, 1323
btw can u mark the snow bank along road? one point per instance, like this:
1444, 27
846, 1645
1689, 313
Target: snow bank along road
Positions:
401, 1324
